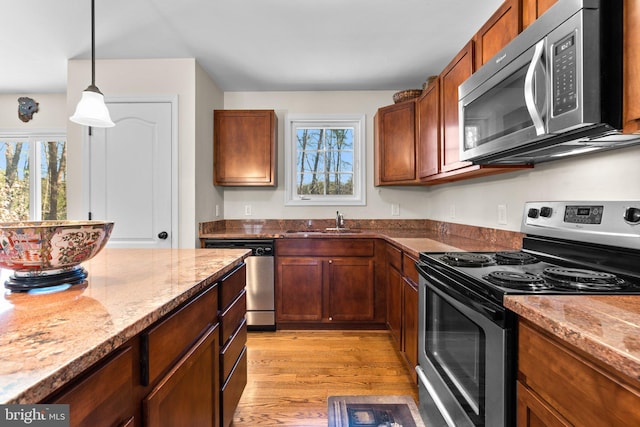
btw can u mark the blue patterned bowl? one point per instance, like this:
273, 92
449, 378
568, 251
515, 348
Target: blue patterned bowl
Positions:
50, 247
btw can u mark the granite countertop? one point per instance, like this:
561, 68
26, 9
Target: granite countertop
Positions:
605, 327
48, 339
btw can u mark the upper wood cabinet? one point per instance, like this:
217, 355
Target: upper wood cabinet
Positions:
503, 26
244, 147
454, 74
532, 9
428, 131
395, 144
631, 64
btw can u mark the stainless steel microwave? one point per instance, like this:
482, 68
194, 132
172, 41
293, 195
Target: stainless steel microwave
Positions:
555, 90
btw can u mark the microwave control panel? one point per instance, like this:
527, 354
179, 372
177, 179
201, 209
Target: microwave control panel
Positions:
564, 75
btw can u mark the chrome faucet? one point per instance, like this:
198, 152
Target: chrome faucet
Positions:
339, 220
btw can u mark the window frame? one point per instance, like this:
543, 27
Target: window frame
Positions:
35, 158
292, 122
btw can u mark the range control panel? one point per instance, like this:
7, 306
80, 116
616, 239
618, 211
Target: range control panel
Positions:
615, 223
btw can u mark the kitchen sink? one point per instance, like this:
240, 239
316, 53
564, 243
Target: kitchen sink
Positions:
325, 230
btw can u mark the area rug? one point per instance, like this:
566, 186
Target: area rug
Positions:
373, 411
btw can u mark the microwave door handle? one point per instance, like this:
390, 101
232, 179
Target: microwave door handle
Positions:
529, 89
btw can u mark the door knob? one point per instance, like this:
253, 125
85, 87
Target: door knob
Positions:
163, 235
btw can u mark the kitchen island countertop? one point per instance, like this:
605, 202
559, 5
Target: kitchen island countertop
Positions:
47, 339
605, 327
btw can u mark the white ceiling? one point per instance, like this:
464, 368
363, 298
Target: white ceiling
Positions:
244, 45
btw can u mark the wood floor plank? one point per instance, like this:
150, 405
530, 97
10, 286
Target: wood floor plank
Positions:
292, 373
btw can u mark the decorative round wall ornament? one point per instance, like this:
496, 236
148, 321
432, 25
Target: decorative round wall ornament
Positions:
26, 108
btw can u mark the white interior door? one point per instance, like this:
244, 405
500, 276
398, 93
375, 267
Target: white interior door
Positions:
131, 174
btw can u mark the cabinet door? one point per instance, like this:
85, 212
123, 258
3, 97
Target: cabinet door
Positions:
410, 326
394, 295
453, 76
185, 396
104, 398
532, 9
395, 153
428, 138
351, 289
299, 289
631, 64
503, 26
244, 147
533, 412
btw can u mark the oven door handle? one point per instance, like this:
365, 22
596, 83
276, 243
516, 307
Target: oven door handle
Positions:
475, 302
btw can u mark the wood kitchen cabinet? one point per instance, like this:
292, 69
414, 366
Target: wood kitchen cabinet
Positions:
232, 309
395, 144
402, 305
558, 385
532, 9
428, 130
503, 26
631, 66
328, 282
105, 396
244, 147
188, 368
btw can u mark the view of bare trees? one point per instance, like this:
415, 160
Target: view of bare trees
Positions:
15, 176
325, 161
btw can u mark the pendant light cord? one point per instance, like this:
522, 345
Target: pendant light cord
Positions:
93, 45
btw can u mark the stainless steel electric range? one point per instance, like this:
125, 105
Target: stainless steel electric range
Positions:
467, 341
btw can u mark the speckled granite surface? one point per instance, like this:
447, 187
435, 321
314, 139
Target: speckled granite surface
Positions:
412, 236
47, 339
606, 327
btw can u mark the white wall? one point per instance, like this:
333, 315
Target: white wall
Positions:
208, 98
604, 176
268, 203
147, 77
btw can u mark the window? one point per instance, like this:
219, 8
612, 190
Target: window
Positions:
27, 192
324, 160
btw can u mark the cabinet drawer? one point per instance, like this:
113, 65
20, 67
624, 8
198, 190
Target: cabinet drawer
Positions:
185, 395
169, 339
229, 353
232, 389
232, 316
231, 286
325, 247
409, 268
105, 397
394, 257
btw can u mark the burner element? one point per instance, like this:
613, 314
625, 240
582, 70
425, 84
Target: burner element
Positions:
517, 280
467, 259
579, 279
515, 258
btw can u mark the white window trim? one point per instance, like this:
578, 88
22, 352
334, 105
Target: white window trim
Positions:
359, 170
35, 157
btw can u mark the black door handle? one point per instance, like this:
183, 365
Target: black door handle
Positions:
163, 235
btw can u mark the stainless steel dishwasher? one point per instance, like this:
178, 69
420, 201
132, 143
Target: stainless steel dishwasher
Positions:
260, 279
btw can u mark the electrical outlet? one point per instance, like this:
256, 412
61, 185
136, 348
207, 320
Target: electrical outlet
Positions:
247, 210
217, 210
452, 211
395, 209
502, 214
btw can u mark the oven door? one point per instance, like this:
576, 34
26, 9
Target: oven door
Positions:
465, 367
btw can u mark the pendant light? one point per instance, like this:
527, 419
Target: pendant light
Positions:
91, 110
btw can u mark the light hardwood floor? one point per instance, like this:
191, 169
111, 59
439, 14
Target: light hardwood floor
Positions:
292, 373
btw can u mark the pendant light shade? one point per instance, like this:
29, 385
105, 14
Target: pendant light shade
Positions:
91, 110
